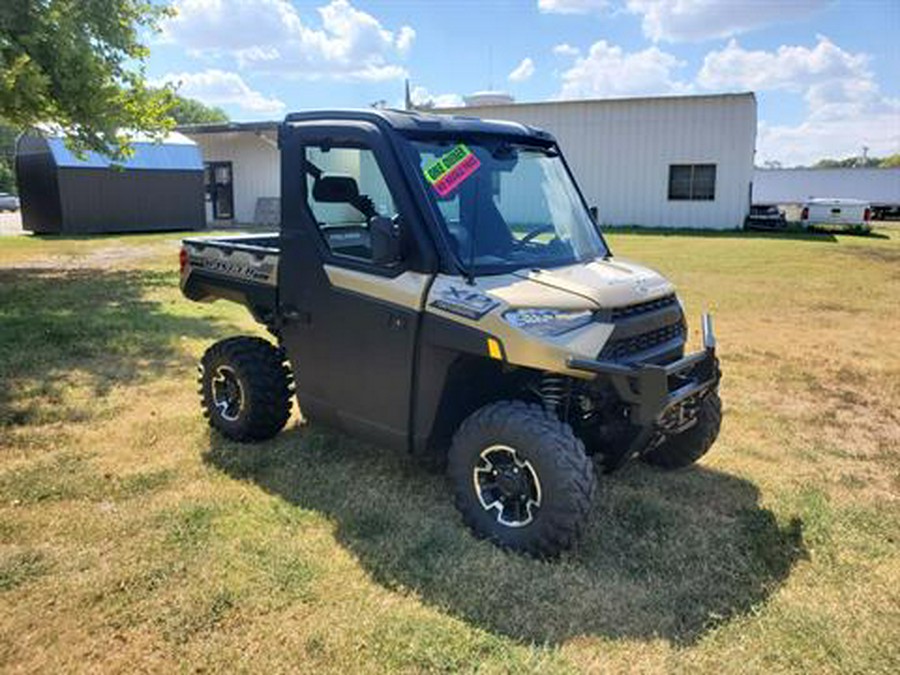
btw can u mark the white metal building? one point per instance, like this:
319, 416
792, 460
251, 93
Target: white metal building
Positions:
242, 170
676, 161
680, 161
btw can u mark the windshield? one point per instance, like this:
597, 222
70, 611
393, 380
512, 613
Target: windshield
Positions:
506, 206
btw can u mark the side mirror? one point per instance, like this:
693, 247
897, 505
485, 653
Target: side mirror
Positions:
335, 188
384, 235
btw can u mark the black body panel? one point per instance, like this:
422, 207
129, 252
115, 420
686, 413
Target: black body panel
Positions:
353, 355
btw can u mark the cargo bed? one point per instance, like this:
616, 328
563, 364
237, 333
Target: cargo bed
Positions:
241, 268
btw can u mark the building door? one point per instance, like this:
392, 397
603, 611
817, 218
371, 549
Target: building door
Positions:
219, 190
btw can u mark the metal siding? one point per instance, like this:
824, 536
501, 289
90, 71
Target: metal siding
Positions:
620, 152
108, 200
795, 186
36, 177
256, 166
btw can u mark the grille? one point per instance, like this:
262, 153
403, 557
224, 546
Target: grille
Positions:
629, 311
622, 348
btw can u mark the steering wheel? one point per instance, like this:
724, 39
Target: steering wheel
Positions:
528, 238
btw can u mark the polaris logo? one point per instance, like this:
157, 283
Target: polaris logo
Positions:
261, 272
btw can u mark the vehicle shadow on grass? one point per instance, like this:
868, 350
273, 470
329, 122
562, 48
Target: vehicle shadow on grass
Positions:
666, 555
69, 335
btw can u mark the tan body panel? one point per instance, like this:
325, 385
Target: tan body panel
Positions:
587, 286
521, 348
405, 290
608, 283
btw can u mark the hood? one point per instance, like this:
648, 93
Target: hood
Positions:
605, 283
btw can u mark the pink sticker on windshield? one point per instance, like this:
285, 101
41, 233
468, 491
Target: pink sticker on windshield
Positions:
448, 172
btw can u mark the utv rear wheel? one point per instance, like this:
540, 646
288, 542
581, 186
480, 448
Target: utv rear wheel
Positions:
245, 387
690, 445
521, 478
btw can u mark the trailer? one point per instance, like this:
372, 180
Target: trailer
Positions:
879, 188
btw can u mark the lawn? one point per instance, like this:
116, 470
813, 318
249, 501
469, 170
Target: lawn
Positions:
133, 539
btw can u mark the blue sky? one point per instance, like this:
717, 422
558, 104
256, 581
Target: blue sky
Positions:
826, 72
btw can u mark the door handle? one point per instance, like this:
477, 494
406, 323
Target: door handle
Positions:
298, 315
397, 322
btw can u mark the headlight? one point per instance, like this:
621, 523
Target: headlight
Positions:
547, 322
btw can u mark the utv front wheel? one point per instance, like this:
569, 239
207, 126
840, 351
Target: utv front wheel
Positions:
245, 388
690, 445
521, 478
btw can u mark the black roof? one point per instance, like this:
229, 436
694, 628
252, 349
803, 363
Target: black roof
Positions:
224, 127
405, 121
413, 121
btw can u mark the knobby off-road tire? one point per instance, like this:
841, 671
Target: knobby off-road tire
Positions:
689, 446
245, 385
522, 442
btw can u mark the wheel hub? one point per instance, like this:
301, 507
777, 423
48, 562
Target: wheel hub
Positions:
507, 486
227, 393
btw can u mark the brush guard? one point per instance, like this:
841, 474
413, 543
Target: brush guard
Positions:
658, 395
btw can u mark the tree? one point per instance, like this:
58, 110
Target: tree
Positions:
890, 162
191, 111
848, 163
78, 65
8, 137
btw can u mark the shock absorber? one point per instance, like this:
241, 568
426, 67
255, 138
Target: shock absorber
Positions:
552, 390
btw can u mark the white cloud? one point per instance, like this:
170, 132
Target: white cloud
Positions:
845, 107
790, 67
688, 20
607, 70
405, 39
217, 87
572, 6
817, 137
422, 98
565, 49
270, 36
523, 71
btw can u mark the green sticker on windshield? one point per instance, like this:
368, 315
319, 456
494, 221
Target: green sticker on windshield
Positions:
448, 172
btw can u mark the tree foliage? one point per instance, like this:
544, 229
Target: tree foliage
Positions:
847, 163
8, 137
859, 163
79, 65
191, 111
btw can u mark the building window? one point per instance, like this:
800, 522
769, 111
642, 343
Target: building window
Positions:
692, 182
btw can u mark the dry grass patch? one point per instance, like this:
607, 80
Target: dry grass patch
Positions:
131, 538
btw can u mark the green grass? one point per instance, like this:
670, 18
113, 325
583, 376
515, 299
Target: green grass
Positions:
131, 538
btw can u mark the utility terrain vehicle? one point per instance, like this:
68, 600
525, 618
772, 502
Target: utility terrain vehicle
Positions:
439, 285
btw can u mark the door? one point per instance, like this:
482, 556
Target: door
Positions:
350, 323
219, 190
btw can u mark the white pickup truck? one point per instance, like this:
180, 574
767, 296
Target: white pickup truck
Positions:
854, 213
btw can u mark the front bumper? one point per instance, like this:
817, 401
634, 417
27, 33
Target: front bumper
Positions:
653, 391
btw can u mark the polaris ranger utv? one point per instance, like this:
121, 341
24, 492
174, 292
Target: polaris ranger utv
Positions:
438, 284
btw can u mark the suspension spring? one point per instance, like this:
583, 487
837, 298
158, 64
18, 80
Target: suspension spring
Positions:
552, 391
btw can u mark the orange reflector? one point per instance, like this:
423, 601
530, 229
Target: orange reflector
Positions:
494, 349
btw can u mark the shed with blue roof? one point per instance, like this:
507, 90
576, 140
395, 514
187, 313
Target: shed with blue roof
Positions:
160, 187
